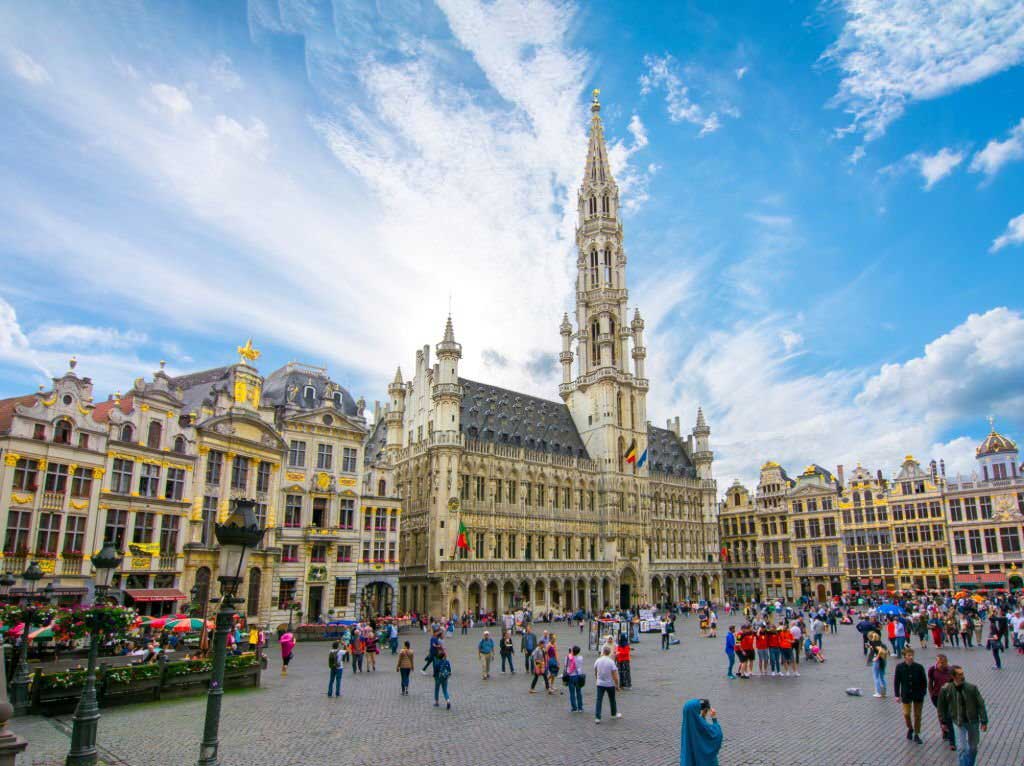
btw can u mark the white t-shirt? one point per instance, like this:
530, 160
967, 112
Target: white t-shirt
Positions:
796, 632
605, 667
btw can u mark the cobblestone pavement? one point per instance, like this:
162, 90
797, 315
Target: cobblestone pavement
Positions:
806, 721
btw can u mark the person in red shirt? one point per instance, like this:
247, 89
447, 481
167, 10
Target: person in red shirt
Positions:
761, 644
786, 648
747, 647
774, 653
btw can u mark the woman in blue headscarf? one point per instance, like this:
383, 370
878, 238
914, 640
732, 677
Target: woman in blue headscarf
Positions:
700, 739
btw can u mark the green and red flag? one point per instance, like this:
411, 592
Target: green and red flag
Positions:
461, 541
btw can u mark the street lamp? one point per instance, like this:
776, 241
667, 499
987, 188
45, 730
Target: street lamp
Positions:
19, 686
6, 583
240, 532
87, 713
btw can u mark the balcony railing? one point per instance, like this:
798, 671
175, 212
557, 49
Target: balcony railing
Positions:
53, 501
15, 563
324, 534
168, 563
71, 566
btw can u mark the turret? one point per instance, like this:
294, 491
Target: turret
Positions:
395, 412
566, 356
702, 454
447, 393
639, 350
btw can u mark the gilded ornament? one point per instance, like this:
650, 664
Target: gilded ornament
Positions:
247, 353
79, 505
21, 499
12, 458
97, 473
49, 402
42, 464
47, 565
323, 480
295, 476
83, 410
144, 407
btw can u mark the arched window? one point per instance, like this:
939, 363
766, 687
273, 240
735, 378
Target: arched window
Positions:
593, 205
618, 409
252, 608
611, 327
593, 268
632, 411
179, 444
595, 352
606, 203
620, 451
608, 268
381, 487
309, 393
127, 432
867, 496
156, 432
337, 398
203, 583
62, 432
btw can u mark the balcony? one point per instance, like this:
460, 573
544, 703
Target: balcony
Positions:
72, 566
53, 501
167, 563
322, 534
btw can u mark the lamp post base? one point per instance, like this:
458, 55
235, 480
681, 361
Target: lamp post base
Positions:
208, 755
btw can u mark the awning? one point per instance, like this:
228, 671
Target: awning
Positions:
289, 579
342, 579
982, 578
59, 590
155, 594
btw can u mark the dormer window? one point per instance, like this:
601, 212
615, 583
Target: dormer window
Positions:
337, 399
62, 432
39, 432
309, 393
179, 445
156, 432
127, 432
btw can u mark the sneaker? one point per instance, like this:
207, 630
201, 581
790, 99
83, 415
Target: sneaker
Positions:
597, 720
448, 704
437, 704
797, 675
917, 739
876, 694
910, 733
617, 715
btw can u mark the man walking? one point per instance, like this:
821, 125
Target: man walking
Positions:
961, 704
527, 645
486, 651
664, 635
940, 674
910, 684
607, 674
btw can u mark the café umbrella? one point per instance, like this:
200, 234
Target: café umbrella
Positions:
890, 609
184, 625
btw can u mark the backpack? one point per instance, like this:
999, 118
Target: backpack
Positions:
332, 659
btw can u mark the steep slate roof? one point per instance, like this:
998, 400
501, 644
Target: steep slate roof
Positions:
665, 453
7, 409
497, 415
375, 442
198, 387
275, 389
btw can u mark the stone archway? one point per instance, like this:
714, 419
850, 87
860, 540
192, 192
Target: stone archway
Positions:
474, 597
694, 592
628, 592
508, 591
670, 591
659, 593
606, 593
593, 596
555, 594
493, 604
541, 602
525, 593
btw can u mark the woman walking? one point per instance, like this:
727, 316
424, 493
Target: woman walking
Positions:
622, 655
877, 656
442, 672
507, 649
576, 679
372, 650
699, 739
287, 642
995, 645
406, 663
552, 662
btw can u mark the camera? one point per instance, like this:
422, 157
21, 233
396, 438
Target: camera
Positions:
705, 705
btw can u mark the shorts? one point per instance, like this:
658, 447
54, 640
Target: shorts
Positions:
747, 656
787, 655
762, 655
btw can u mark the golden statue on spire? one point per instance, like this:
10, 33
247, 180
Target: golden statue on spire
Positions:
247, 352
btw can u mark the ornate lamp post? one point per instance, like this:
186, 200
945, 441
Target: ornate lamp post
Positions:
87, 714
6, 583
239, 533
19, 686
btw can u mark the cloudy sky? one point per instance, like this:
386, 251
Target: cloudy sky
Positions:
824, 223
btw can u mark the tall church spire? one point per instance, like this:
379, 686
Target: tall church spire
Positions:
598, 194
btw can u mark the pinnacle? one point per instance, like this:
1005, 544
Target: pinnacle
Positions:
398, 376
449, 331
701, 423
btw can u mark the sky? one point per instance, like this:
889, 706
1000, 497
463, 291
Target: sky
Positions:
824, 202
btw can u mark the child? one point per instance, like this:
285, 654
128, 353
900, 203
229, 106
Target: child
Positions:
817, 654
808, 645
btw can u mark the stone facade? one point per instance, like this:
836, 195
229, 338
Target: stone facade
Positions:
563, 506
819, 535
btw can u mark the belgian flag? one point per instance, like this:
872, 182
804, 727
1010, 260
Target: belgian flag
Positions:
631, 452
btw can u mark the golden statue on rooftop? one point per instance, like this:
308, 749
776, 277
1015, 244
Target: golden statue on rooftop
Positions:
247, 352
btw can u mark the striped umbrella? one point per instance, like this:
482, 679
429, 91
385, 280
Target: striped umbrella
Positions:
184, 625
42, 634
146, 621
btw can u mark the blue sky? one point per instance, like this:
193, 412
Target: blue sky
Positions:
824, 224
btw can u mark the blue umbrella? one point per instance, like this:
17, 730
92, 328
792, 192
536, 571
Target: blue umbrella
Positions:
890, 609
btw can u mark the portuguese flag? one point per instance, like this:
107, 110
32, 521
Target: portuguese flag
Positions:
631, 452
461, 541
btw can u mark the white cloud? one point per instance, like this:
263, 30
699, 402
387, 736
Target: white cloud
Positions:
741, 72
663, 74
172, 98
27, 68
252, 140
75, 335
791, 340
633, 182
991, 159
223, 73
935, 167
1014, 235
15, 348
857, 154
894, 52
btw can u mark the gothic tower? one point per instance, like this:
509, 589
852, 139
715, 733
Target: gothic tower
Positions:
608, 397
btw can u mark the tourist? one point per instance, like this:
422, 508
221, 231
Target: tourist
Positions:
921, 628
358, 650
995, 645
406, 662
966, 631
877, 656
442, 672
774, 653
763, 655
607, 679
287, 642
939, 675
786, 640
910, 684
938, 630
540, 669
699, 739
507, 648
393, 637
730, 650
552, 661
978, 625
436, 642
797, 632
335, 665
747, 649
485, 651
664, 635
962, 705
622, 658
372, 649
527, 645
574, 671
818, 629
